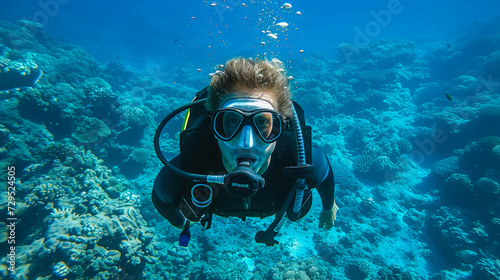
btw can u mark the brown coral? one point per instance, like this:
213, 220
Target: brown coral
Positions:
91, 130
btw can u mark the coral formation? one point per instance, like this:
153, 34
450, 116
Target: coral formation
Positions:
488, 187
492, 111
449, 225
91, 130
373, 76
446, 166
138, 116
97, 90
481, 154
491, 64
81, 229
486, 269
57, 151
18, 74
60, 270
360, 269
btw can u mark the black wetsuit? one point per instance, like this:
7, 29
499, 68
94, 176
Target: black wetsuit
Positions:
172, 194
200, 154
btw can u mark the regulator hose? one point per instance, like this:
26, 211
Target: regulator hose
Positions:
300, 185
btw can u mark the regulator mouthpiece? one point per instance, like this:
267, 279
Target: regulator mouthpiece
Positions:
243, 182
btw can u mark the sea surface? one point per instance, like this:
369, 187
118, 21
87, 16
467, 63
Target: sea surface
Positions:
402, 96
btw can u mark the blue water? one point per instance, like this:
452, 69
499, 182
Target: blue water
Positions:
403, 97
142, 34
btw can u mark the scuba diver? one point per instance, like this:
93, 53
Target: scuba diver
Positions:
250, 139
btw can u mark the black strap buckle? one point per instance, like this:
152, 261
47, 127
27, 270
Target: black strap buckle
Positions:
305, 171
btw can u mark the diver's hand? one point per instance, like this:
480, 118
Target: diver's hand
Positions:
327, 218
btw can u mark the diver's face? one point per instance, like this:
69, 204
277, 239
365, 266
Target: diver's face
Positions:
246, 144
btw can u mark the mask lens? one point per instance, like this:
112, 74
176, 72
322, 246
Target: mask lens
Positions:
268, 125
227, 123
264, 124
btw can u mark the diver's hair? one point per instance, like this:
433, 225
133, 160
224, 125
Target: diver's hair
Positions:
247, 75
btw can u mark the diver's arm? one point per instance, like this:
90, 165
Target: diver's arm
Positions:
170, 199
166, 187
325, 184
326, 190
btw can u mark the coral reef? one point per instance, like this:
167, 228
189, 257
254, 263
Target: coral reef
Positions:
83, 228
416, 175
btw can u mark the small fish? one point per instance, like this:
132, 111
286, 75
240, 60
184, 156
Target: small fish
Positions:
117, 57
287, 6
448, 96
176, 40
32, 168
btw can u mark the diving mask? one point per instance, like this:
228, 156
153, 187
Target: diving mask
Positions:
266, 123
231, 119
